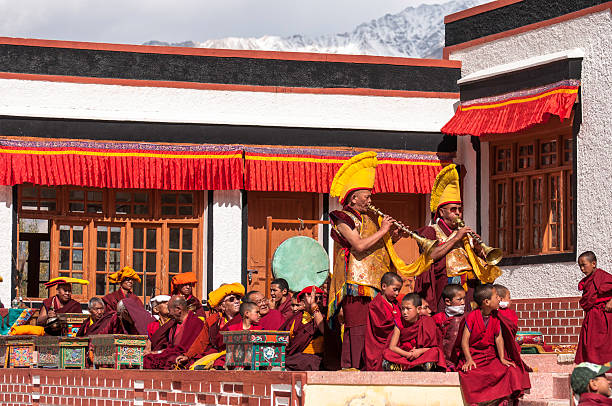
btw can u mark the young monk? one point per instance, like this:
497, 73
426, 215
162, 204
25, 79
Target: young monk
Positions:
306, 329
383, 315
249, 313
589, 382
271, 319
425, 309
485, 374
414, 343
596, 332
281, 298
449, 322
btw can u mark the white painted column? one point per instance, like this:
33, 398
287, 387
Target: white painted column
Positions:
6, 243
227, 237
466, 156
333, 205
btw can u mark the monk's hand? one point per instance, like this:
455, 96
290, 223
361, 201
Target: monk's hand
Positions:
470, 364
412, 354
609, 306
507, 363
462, 232
51, 313
387, 223
181, 359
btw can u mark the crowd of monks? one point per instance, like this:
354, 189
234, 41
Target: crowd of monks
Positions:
358, 319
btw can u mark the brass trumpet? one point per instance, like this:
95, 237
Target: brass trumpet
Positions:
492, 255
426, 245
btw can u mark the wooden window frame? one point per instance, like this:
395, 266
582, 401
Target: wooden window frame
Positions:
108, 218
559, 132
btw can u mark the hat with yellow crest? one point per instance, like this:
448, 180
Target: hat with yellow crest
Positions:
357, 173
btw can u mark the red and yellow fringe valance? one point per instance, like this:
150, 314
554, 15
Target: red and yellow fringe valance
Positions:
120, 165
312, 169
514, 112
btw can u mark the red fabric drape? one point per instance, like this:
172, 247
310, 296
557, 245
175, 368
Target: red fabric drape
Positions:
120, 165
513, 112
312, 170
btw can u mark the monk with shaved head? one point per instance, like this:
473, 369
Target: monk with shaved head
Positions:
181, 336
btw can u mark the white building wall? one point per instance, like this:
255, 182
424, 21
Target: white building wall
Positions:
594, 195
227, 237
6, 243
173, 105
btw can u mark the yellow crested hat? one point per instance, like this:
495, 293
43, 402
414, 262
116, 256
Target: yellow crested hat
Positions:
63, 280
124, 273
445, 188
216, 296
359, 172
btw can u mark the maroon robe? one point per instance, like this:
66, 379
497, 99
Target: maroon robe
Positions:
594, 399
285, 308
302, 336
140, 317
160, 339
272, 320
421, 334
72, 306
596, 332
491, 379
382, 319
98, 327
431, 282
449, 329
520, 375
181, 337
194, 304
111, 300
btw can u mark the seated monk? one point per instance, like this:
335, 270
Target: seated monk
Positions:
97, 321
182, 335
125, 277
183, 284
250, 317
208, 348
306, 329
62, 302
271, 319
159, 330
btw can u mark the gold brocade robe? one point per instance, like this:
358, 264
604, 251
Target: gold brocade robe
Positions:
457, 260
364, 269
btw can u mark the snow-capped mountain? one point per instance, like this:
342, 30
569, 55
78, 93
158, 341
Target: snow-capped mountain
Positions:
416, 32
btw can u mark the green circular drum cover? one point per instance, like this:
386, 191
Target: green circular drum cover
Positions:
302, 262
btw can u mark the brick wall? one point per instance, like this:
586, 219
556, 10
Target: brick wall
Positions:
149, 388
559, 319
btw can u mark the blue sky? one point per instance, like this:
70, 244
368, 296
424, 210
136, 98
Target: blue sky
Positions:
137, 21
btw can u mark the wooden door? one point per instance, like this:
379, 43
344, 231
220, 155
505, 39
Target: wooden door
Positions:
278, 205
410, 210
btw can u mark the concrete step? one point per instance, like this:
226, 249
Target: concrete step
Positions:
544, 402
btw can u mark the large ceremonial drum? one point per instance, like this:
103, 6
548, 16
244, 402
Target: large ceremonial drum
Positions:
302, 262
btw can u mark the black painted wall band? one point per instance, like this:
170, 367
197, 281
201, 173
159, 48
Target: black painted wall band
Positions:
510, 17
224, 70
224, 134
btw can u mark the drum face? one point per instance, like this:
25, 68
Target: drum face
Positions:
302, 262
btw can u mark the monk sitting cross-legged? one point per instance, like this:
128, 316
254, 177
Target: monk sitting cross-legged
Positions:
159, 331
306, 329
97, 321
62, 302
125, 277
182, 335
414, 343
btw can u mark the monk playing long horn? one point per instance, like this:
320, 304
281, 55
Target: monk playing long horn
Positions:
363, 252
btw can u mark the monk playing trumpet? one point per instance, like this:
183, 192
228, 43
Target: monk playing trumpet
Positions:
363, 252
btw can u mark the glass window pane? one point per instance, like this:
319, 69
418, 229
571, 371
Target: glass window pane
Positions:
169, 198
169, 210
115, 237
76, 207
77, 260
100, 284
141, 197
48, 205
185, 198
45, 250
64, 259
76, 195
185, 210
94, 208
138, 261
174, 262
175, 238
151, 285
138, 238
101, 261
29, 191
141, 209
151, 238
114, 263
151, 263
77, 236
47, 193
137, 287
44, 272
123, 196
102, 236
94, 196
29, 205
122, 209
187, 237
65, 236
186, 265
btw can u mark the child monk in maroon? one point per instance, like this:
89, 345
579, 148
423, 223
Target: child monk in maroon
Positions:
594, 344
383, 316
484, 374
414, 343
